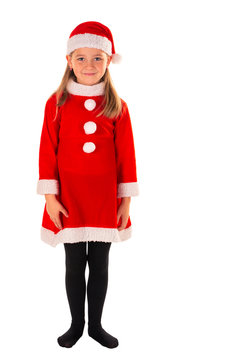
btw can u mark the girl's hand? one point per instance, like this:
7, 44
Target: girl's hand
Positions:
123, 212
54, 207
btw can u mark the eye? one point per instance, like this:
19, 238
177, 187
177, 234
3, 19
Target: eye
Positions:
80, 58
98, 58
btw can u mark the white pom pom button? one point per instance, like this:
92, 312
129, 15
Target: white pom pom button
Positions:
90, 127
90, 104
89, 147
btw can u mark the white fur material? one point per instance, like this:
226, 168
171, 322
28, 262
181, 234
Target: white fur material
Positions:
127, 189
89, 147
74, 235
47, 186
90, 127
90, 41
116, 58
90, 104
75, 88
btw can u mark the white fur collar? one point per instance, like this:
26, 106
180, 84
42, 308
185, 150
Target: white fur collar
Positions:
75, 88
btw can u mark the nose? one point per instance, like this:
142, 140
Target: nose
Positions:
89, 62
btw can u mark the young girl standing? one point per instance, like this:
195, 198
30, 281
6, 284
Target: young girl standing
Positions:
87, 172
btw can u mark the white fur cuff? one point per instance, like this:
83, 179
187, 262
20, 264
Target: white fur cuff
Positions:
127, 189
47, 187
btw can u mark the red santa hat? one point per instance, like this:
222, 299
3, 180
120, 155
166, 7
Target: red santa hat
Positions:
94, 35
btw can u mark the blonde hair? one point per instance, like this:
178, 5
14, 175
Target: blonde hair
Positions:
112, 102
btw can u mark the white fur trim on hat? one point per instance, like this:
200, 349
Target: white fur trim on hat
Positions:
89, 40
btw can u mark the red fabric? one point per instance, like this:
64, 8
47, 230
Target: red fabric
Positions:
87, 181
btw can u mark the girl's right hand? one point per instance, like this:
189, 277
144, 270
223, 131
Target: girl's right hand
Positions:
54, 207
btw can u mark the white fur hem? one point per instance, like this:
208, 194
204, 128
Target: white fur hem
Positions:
74, 235
46, 186
127, 189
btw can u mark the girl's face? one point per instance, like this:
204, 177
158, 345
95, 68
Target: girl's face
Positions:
88, 64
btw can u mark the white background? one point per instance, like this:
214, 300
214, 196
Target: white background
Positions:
173, 290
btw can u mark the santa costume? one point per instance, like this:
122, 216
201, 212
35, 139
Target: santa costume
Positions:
88, 162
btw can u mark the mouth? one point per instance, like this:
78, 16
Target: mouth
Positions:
89, 74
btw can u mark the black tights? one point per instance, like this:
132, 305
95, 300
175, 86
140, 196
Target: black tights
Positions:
76, 259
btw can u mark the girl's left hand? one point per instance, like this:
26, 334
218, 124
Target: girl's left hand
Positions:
123, 212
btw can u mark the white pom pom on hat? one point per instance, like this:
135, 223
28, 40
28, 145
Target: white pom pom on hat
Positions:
94, 35
116, 58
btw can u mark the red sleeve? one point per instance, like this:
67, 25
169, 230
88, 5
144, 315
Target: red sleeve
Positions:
125, 155
48, 182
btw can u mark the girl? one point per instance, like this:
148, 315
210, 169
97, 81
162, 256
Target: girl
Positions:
87, 172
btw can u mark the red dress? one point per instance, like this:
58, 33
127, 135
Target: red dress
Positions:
89, 163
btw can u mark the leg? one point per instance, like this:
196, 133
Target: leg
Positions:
96, 291
75, 260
